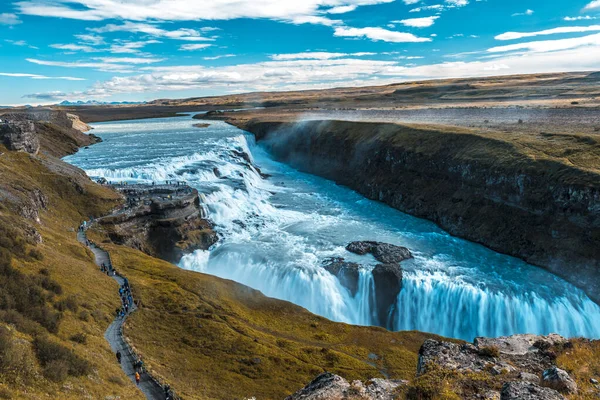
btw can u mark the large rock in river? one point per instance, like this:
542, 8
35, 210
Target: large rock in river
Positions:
383, 252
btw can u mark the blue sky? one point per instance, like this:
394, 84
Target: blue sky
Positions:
132, 50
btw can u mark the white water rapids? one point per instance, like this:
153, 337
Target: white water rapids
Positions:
276, 232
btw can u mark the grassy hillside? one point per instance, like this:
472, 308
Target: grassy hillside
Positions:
54, 306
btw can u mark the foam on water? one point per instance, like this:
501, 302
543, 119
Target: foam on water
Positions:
277, 231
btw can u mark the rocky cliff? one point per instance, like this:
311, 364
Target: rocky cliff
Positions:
534, 197
163, 221
55, 133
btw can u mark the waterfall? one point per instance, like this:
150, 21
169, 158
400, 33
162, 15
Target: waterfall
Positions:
276, 232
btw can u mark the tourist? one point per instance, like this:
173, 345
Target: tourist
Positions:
119, 357
137, 378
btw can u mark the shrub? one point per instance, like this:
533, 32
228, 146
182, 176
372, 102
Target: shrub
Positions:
49, 353
84, 315
36, 254
51, 285
116, 380
489, 351
45, 272
5, 394
69, 303
80, 338
56, 370
17, 362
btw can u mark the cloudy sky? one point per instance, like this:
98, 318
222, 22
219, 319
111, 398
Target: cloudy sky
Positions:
134, 50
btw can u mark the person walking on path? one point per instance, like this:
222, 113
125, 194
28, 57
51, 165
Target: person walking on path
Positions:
137, 378
119, 357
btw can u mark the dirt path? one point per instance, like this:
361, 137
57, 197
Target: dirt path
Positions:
151, 389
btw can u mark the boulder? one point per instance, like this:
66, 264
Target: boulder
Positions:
383, 252
528, 391
558, 379
388, 283
529, 377
346, 272
328, 386
361, 248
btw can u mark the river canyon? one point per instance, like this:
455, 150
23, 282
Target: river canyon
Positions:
277, 226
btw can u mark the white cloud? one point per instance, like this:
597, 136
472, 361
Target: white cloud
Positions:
306, 74
219, 57
317, 55
129, 60
592, 6
195, 46
153, 30
342, 9
525, 13
409, 2
74, 47
554, 31
111, 64
550, 45
185, 10
9, 19
36, 76
436, 7
458, 3
127, 47
377, 34
423, 22
580, 18
93, 40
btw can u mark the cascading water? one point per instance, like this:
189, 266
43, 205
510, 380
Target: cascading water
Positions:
277, 231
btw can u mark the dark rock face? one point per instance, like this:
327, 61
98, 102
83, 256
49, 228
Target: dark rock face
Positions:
346, 272
478, 188
165, 222
328, 386
388, 283
383, 252
528, 391
19, 136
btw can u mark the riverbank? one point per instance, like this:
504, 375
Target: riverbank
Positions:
531, 196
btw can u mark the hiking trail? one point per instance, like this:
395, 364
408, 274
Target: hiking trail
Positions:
150, 387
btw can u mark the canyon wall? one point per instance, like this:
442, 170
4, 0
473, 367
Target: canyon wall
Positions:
536, 198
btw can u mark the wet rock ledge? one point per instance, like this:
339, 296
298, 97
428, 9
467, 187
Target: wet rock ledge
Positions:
164, 221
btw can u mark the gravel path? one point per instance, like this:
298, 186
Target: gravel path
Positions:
151, 389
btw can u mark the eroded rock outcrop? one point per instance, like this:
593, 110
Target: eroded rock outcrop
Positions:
528, 391
163, 221
523, 363
328, 386
19, 135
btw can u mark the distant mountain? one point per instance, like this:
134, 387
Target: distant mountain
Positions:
98, 103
